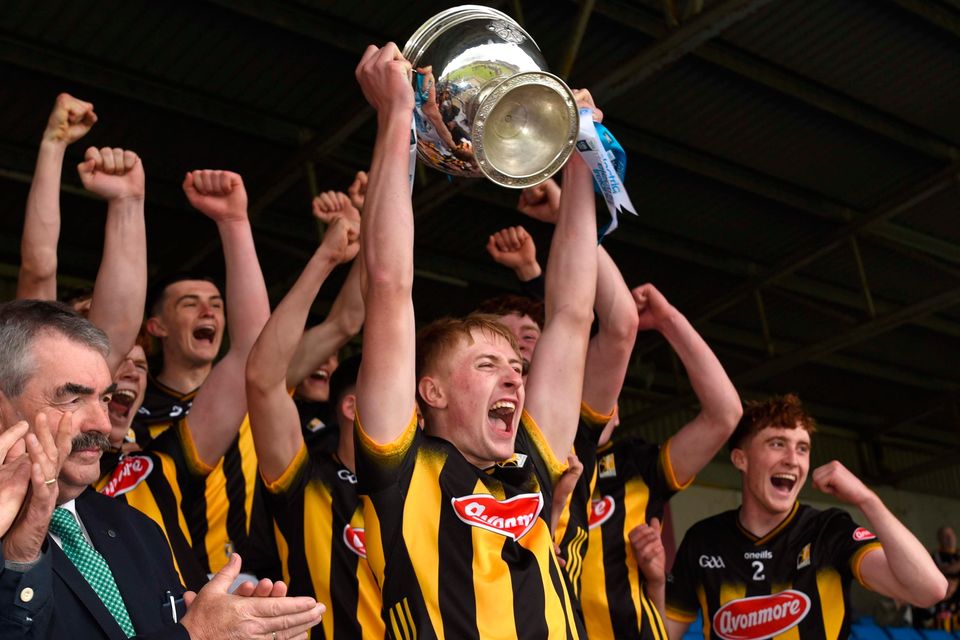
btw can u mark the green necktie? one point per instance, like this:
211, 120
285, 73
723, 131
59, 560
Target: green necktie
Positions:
91, 565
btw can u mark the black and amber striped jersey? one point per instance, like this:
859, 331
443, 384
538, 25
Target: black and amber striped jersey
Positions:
320, 536
572, 529
161, 407
462, 552
792, 583
206, 509
634, 481
318, 426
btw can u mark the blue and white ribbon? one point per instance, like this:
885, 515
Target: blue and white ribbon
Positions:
412, 167
603, 164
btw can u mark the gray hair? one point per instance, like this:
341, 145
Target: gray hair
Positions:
21, 321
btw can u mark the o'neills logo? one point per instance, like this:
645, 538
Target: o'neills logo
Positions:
761, 616
355, 540
131, 471
600, 511
862, 534
512, 518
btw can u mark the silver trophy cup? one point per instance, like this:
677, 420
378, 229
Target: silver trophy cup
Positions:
485, 104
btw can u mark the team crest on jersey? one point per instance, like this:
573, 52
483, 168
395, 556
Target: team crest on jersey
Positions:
316, 425
356, 540
761, 616
600, 511
512, 518
862, 534
607, 466
127, 476
517, 460
803, 559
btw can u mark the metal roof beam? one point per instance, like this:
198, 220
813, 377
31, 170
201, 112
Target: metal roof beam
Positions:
810, 251
576, 37
899, 374
671, 46
936, 14
299, 19
75, 67
681, 249
791, 84
844, 339
776, 190
792, 359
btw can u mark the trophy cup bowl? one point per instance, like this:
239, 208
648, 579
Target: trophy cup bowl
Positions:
485, 104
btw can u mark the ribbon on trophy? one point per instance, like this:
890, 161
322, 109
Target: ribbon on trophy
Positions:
607, 161
412, 167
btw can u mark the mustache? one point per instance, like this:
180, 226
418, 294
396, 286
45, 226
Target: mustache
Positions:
90, 440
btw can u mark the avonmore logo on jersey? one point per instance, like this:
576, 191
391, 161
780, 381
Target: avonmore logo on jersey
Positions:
761, 616
356, 540
130, 472
862, 534
512, 518
600, 511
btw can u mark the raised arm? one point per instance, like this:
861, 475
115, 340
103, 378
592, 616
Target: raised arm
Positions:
555, 381
69, 121
609, 352
346, 314
220, 405
273, 415
901, 569
321, 341
120, 291
386, 383
698, 441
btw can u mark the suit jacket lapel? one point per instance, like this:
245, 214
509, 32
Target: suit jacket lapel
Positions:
108, 538
65, 569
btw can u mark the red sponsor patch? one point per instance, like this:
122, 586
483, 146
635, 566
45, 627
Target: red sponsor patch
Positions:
129, 473
355, 540
600, 511
862, 534
512, 518
761, 616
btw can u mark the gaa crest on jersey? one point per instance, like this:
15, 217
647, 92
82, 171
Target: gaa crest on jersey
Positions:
607, 466
803, 558
128, 474
600, 511
761, 616
356, 540
512, 518
862, 534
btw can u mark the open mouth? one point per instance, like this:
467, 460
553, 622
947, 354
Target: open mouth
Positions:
121, 402
501, 415
784, 481
320, 375
205, 333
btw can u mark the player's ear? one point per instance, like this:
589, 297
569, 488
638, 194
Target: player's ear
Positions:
155, 327
739, 459
348, 406
431, 392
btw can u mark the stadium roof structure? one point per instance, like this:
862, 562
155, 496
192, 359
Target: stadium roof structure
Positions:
793, 162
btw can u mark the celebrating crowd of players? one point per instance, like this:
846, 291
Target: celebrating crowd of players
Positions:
471, 487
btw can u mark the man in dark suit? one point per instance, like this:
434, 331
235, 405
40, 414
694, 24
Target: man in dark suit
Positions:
76, 564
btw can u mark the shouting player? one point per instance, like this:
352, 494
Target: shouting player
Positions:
774, 565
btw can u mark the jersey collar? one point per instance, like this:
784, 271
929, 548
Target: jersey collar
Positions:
773, 533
